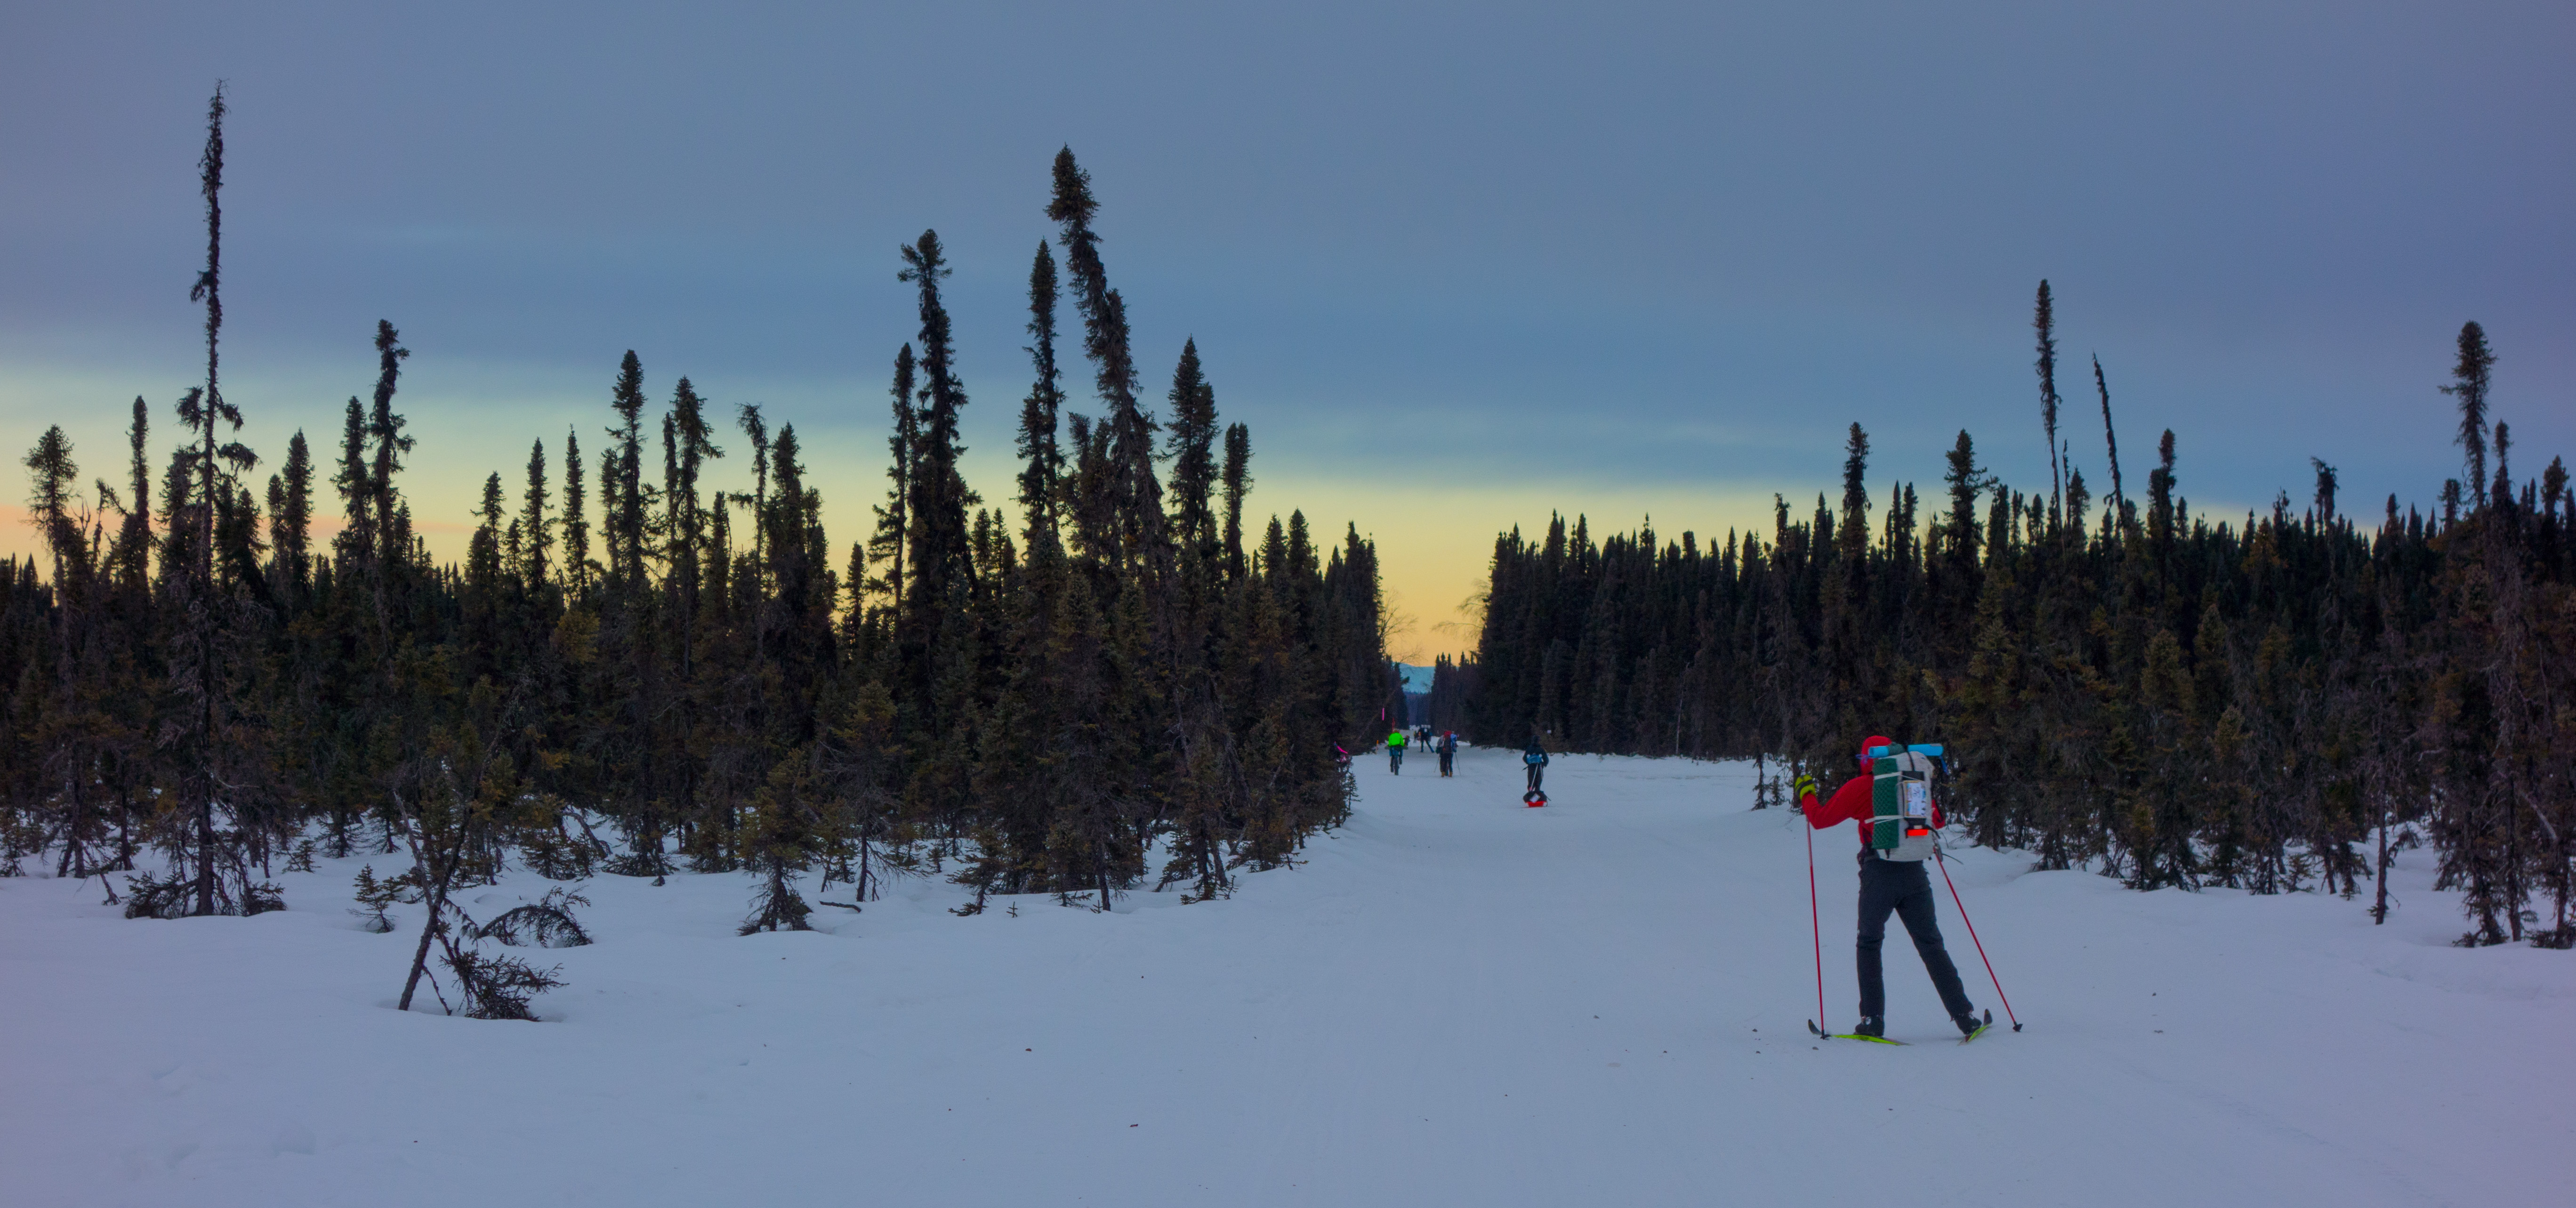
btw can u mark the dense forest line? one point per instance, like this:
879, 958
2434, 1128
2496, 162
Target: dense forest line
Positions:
633, 672
2267, 704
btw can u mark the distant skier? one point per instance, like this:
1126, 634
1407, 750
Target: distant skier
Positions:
1395, 752
1448, 748
1892, 880
1534, 757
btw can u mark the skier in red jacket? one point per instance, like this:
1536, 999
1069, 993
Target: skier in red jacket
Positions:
1891, 881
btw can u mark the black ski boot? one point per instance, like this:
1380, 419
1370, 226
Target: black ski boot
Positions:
1970, 1023
1870, 1025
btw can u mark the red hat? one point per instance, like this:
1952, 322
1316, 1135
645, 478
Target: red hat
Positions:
1878, 740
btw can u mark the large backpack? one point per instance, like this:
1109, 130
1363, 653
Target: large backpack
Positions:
1901, 801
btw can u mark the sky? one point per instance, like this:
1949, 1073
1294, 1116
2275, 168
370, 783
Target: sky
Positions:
1458, 267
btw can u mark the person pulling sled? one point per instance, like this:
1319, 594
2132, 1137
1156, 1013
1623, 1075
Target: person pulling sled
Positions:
1891, 800
1534, 757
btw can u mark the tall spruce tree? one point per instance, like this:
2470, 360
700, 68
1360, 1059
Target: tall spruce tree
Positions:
385, 428
894, 517
939, 556
2044, 322
290, 512
1134, 495
2110, 438
1238, 484
576, 522
623, 505
535, 526
1193, 455
1042, 462
216, 773
2470, 375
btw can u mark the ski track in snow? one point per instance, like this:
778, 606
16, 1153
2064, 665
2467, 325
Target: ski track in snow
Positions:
1453, 1000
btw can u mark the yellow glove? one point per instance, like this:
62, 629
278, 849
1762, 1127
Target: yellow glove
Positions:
1803, 787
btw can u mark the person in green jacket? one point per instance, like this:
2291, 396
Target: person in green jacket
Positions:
1395, 751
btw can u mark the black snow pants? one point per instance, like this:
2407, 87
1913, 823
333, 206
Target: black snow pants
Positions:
1537, 771
1395, 760
1903, 888
1447, 762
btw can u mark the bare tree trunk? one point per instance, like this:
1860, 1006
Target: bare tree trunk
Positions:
2379, 900
420, 955
433, 894
124, 825
205, 848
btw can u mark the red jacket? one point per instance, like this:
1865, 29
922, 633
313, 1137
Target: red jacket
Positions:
1851, 803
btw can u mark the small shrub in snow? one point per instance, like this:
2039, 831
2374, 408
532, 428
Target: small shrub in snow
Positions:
498, 987
373, 896
644, 858
775, 905
547, 922
20, 835
558, 855
149, 896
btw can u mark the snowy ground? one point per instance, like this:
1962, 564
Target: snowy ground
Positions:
1456, 1001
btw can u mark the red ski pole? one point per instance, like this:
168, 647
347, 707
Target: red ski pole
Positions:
1816, 922
1972, 938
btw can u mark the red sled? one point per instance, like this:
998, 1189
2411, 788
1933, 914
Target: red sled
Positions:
1533, 798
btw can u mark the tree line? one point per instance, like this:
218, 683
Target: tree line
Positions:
1110, 685
2270, 703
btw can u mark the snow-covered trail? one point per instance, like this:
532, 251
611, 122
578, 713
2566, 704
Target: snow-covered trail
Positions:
1454, 1001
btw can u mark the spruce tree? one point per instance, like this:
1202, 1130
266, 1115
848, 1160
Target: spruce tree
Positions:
354, 550
483, 561
215, 773
755, 429
536, 528
1134, 495
939, 555
894, 516
1852, 540
1193, 455
2044, 322
1966, 482
2110, 438
385, 428
130, 556
1238, 485
1042, 462
576, 523
621, 482
58, 708
290, 513
2161, 514
2470, 374
52, 506
687, 445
